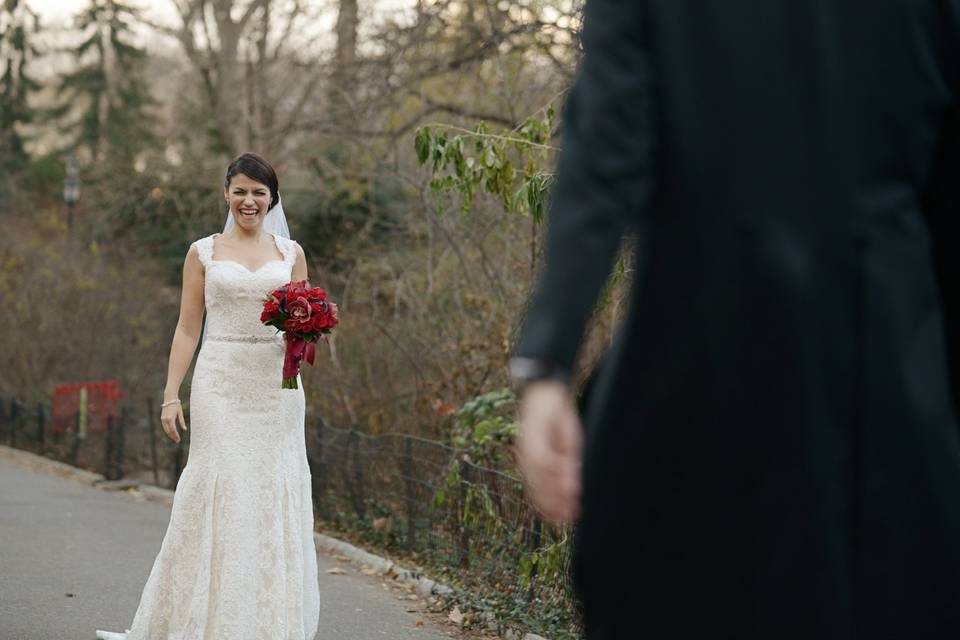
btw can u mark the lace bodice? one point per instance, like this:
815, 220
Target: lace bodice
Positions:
233, 294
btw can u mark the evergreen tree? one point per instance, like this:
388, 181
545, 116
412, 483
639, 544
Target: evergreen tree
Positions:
17, 24
105, 100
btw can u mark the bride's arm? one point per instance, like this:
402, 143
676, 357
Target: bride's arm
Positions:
185, 340
300, 265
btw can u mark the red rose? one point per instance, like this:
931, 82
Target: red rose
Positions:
319, 323
271, 310
324, 318
300, 287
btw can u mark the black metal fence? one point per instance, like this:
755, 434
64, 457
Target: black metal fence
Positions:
131, 445
422, 501
430, 502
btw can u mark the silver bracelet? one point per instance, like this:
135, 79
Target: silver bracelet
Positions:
166, 404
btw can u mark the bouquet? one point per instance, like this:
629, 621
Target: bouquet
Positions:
304, 315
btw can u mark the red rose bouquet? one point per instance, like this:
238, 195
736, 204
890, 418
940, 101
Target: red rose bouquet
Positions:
304, 315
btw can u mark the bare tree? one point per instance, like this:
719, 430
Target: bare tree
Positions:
255, 85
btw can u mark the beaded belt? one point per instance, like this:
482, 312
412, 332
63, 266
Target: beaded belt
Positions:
243, 338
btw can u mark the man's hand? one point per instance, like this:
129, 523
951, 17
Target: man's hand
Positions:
549, 450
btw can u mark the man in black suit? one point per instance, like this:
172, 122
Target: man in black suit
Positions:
771, 446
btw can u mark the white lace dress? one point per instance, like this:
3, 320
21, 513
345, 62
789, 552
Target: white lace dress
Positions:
238, 560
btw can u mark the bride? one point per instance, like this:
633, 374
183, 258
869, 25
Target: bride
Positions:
238, 560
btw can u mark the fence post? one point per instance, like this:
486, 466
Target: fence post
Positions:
317, 470
41, 429
151, 429
535, 541
411, 495
108, 462
355, 485
463, 537
14, 423
75, 448
121, 441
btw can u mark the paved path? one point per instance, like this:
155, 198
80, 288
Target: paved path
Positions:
74, 558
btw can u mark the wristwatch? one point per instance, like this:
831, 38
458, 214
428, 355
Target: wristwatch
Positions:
523, 371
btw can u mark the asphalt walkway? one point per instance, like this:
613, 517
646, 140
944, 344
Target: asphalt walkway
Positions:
74, 558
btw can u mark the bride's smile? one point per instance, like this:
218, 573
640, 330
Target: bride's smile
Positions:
249, 200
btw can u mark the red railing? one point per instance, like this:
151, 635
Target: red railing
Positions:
103, 400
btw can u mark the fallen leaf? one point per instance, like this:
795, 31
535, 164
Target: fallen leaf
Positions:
444, 408
419, 623
336, 571
455, 616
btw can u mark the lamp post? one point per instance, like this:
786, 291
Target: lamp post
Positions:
71, 187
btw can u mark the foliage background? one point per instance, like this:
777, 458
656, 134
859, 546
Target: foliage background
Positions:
414, 142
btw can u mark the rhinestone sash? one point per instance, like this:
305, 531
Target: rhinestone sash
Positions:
228, 338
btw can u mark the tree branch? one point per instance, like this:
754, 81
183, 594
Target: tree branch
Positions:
248, 14
468, 113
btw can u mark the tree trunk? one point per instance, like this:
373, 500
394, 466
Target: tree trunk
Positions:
228, 103
348, 21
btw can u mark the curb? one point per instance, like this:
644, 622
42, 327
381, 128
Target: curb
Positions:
34, 461
424, 586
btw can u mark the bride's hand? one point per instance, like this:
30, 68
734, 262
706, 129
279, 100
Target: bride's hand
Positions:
170, 416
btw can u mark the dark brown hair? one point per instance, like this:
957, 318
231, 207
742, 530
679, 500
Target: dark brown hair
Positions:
256, 167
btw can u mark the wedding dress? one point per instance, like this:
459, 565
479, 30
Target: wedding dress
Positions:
238, 560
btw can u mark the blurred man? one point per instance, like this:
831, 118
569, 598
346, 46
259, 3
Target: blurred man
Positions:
771, 446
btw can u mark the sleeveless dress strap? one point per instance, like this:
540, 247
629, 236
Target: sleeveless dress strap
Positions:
289, 249
205, 250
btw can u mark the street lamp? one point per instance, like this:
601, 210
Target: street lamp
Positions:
71, 187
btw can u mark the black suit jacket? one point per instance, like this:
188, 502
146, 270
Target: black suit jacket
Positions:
772, 443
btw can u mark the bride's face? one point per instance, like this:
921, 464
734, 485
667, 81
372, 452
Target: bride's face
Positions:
249, 201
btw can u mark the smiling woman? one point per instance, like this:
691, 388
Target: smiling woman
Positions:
238, 559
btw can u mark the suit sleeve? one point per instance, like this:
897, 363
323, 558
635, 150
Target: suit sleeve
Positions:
942, 207
604, 178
